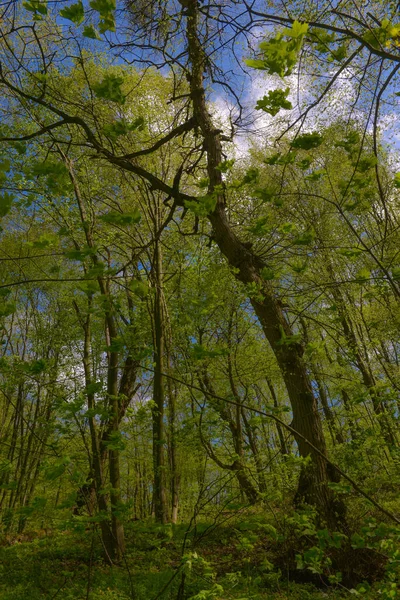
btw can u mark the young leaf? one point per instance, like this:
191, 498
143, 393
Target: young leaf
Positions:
110, 89
37, 7
274, 101
90, 32
307, 141
117, 218
6, 201
74, 13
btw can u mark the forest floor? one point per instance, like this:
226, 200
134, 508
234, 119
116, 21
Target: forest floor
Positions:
231, 562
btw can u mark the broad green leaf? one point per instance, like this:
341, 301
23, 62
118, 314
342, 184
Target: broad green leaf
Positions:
6, 201
81, 254
7, 308
35, 367
305, 238
91, 32
106, 9
5, 165
267, 274
255, 63
307, 141
298, 30
274, 101
226, 166
363, 275
110, 89
119, 128
203, 206
74, 13
139, 288
117, 218
37, 7
396, 273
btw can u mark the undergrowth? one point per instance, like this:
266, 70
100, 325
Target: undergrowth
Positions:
243, 559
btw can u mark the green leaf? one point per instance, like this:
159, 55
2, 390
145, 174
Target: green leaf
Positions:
200, 352
7, 308
340, 52
203, 206
366, 163
260, 227
117, 218
90, 32
264, 194
289, 340
267, 274
281, 159
35, 367
350, 252
363, 275
94, 388
305, 238
37, 7
55, 471
396, 273
115, 441
139, 288
305, 163
226, 165
37, 506
307, 141
350, 142
110, 89
117, 345
299, 266
298, 30
6, 201
56, 173
81, 254
5, 165
396, 181
251, 176
106, 9
274, 101
315, 175
119, 128
74, 13
255, 63
44, 241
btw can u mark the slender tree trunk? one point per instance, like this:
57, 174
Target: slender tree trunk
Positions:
114, 452
159, 492
97, 463
172, 452
252, 437
364, 368
237, 466
281, 435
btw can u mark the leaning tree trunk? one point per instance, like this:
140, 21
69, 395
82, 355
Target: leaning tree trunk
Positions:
313, 484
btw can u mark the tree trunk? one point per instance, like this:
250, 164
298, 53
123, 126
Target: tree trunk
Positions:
172, 452
313, 487
159, 492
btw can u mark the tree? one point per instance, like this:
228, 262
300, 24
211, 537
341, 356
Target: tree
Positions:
84, 121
